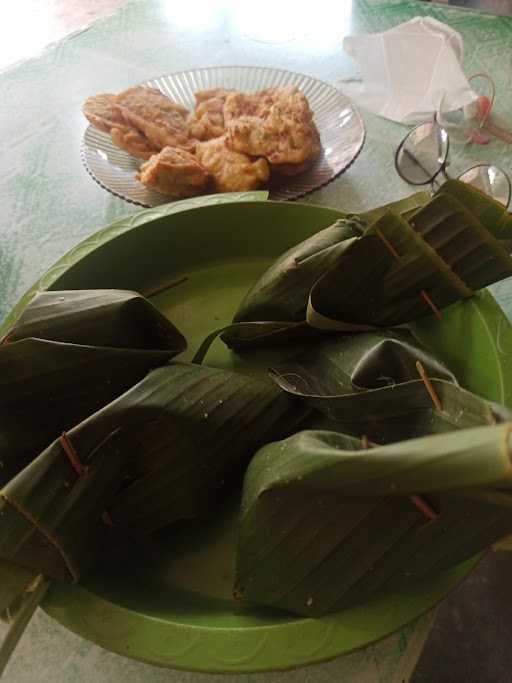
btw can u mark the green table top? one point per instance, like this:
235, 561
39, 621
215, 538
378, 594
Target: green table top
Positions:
49, 203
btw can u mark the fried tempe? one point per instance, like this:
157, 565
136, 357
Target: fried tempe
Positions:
101, 112
175, 172
276, 123
295, 169
162, 121
256, 103
132, 141
208, 120
239, 138
232, 171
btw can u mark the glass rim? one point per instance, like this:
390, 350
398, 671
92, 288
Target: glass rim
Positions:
504, 173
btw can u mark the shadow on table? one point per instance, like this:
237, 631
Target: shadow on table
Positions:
470, 641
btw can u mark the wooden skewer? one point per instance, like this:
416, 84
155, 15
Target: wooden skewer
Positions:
418, 501
428, 386
70, 451
396, 255
432, 305
423, 507
388, 244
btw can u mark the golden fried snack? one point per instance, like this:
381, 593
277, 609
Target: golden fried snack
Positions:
232, 171
249, 104
208, 120
175, 172
100, 111
281, 129
162, 121
132, 141
295, 169
211, 93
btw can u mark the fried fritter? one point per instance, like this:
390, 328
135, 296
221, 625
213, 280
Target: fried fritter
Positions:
295, 169
239, 138
102, 113
175, 172
232, 171
208, 120
211, 93
132, 141
257, 103
162, 121
278, 125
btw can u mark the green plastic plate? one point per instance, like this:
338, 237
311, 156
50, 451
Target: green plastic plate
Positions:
169, 602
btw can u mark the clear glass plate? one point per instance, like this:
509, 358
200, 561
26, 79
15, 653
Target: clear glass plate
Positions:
339, 123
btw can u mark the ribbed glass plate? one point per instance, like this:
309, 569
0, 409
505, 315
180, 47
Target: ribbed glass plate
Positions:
340, 125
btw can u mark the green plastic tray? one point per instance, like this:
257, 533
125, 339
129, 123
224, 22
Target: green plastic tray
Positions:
169, 602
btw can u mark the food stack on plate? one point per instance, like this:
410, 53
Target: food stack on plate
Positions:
233, 142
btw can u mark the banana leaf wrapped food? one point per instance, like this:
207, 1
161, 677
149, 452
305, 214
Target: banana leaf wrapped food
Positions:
98, 317
489, 211
65, 357
53, 375
411, 272
400, 267
131, 440
330, 517
370, 384
325, 522
281, 293
168, 448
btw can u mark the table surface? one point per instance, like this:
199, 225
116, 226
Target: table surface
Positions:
49, 203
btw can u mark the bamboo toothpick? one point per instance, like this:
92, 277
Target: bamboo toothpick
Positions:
70, 451
429, 387
432, 305
423, 507
388, 244
418, 501
396, 255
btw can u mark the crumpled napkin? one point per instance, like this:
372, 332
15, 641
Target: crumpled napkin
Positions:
408, 70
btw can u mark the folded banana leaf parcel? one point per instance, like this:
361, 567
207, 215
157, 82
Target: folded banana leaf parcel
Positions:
381, 269
362, 461
331, 516
105, 443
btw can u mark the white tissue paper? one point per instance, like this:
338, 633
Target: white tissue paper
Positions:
408, 70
